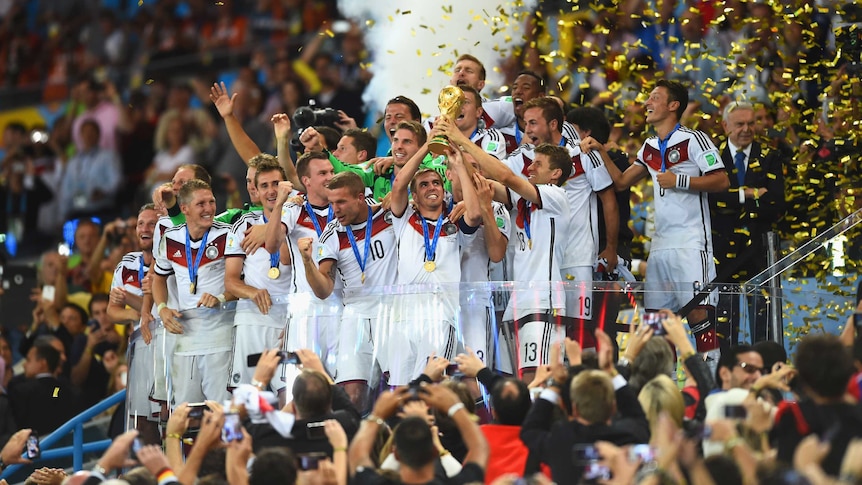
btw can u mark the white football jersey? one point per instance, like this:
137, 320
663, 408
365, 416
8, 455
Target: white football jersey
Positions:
540, 234
381, 268
475, 263
256, 266
205, 334
681, 216
299, 224
128, 274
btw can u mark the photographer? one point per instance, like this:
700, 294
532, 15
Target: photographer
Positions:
315, 400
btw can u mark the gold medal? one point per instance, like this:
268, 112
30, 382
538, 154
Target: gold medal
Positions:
273, 273
192, 288
430, 266
530, 243
362, 280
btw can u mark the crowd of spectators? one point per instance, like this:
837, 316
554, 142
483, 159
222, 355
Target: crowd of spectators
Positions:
121, 134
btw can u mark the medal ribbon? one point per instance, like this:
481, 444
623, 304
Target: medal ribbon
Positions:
313, 215
563, 141
193, 268
363, 261
527, 217
662, 148
141, 271
431, 246
273, 258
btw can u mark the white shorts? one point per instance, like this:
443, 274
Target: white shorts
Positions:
163, 344
534, 338
475, 330
579, 291
140, 379
313, 325
358, 355
248, 340
200, 377
412, 342
671, 276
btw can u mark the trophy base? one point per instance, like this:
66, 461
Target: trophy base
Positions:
439, 145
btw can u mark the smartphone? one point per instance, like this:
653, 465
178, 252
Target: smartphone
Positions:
642, 452
310, 461
136, 447
49, 292
654, 320
33, 450
196, 409
596, 471
232, 430
413, 392
286, 358
735, 411
584, 454
316, 431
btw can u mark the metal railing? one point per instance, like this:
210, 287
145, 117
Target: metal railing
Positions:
75, 426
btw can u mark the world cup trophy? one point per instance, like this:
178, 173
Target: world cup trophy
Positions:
449, 101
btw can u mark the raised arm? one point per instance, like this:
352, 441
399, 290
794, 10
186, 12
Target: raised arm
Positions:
473, 216
491, 167
399, 196
281, 126
320, 279
238, 137
495, 240
275, 231
622, 180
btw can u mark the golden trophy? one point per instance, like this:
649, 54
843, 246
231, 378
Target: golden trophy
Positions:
449, 101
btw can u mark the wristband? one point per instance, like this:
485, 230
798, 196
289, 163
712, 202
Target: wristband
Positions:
455, 408
175, 436
340, 448
376, 419
682, 181
165, 476
733, 443
221, 298
256, 383
445, 452
161, 306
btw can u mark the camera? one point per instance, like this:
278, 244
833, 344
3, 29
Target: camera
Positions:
654, 320
310, 461
583, 454
305, 117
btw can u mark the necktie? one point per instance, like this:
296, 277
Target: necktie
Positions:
739, 163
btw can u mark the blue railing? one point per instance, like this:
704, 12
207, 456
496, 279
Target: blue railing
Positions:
78, 448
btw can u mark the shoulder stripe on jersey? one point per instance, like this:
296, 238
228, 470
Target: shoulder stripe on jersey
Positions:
699, 136
326, 234
595, 160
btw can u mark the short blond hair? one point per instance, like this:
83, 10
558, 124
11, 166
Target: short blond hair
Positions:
593, 398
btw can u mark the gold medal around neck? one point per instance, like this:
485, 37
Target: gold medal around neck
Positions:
362, 280
430, 266
273, 273
192, 287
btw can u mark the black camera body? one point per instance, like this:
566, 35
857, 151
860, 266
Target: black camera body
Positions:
305, 117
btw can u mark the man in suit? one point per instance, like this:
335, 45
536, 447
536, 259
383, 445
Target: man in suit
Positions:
40, 401
743, 214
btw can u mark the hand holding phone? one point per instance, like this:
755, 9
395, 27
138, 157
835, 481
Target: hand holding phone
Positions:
655, 321
33, 449
232, 430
